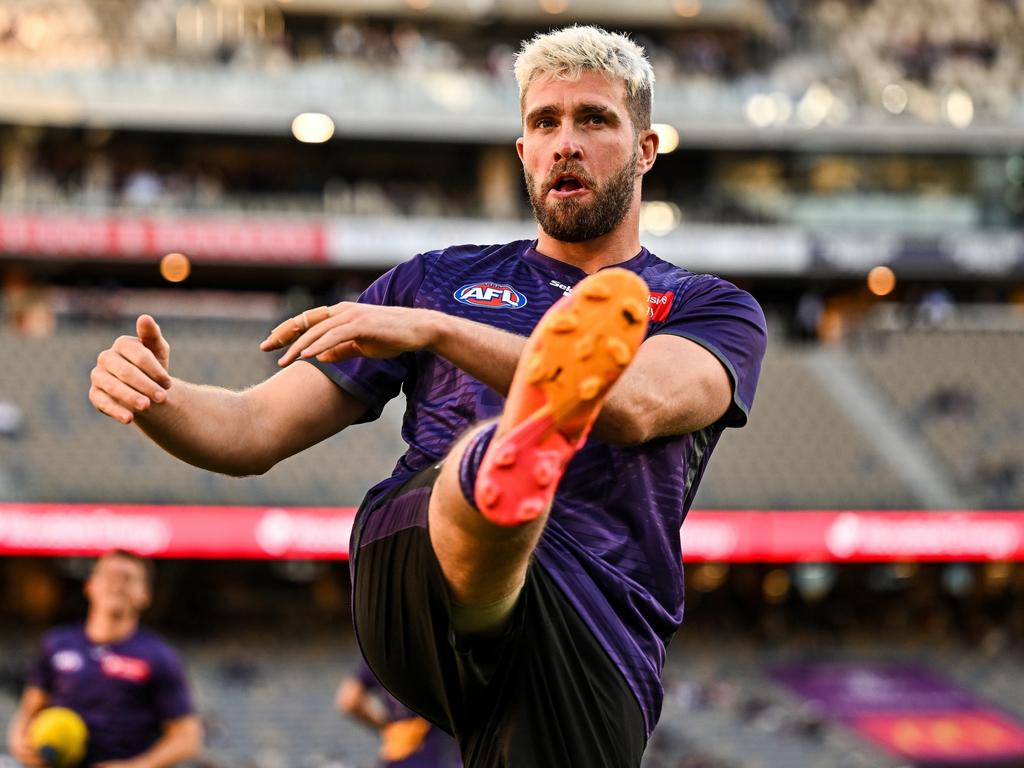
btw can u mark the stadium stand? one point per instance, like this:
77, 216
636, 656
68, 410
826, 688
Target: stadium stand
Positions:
49, 460
267, 703
960, 391
799, 450
970, 414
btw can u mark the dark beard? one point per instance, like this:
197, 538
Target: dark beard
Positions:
573, 221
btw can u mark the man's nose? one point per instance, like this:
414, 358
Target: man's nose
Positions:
568, 148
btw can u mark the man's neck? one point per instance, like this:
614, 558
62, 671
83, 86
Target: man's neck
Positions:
110, 628
619, 245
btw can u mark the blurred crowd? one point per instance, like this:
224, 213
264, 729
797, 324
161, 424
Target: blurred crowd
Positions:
923, 50
888, 55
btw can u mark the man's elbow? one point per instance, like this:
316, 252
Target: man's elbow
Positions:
624, 426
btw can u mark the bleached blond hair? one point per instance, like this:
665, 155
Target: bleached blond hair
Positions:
569, 52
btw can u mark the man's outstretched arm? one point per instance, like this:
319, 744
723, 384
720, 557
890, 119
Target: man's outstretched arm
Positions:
235, 433
674, 385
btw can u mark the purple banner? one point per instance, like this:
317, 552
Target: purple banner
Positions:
909, 710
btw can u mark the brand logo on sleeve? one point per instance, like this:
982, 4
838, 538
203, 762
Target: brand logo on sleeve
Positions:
125, 668
658, 305
493, 295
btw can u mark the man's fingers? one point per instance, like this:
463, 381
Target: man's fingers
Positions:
310, 337
338, 334
344, 351
149, 334
133, 374
124, 395
103, 403
148, 363
294, 327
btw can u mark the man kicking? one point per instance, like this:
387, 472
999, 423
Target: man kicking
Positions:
514, 582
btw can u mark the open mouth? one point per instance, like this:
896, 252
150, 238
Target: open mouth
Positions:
568, 185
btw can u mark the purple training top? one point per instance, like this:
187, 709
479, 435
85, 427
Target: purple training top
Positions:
124, 691
612, 540
438, 749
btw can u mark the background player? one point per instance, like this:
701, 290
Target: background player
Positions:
125, 682
407, 740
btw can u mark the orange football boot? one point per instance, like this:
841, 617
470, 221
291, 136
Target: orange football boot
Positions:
578, 350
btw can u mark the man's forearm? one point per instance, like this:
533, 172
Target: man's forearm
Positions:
208, 427
491, 355
484, 352
179, 743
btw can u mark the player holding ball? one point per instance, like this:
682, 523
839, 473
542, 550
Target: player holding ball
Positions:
124, 682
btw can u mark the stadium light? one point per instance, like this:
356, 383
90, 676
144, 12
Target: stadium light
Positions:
554, 6
687, 8
895, 98
312, 127
668, 137
958, 108
658, 218
761, 110
776, 586
814, 107
175, 267
881, 281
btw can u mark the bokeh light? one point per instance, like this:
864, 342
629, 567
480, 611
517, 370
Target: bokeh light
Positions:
958, 108
175, 267
687, 8
312, 127
895, 98
668, 137
658, 218
881, 281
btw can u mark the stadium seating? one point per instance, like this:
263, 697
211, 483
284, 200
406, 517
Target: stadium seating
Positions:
268, 703
960, 391
66, 445
799, 450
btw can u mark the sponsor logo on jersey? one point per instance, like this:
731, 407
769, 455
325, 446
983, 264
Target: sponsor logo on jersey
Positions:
658, 305
125, 668
494, 295
565, 289
67, 661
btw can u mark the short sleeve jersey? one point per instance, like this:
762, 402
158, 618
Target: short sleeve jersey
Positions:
124, 691
612, 540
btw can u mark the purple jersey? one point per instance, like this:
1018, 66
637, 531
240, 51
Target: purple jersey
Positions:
612, 540
438, 749
124, 691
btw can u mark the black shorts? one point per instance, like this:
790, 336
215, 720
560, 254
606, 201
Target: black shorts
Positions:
542, 695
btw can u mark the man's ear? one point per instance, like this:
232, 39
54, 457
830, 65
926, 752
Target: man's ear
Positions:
519, 148
648, 150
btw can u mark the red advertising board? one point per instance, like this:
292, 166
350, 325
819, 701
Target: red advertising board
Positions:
323, 532
204, 238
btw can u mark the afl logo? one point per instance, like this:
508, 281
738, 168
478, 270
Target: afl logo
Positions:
494, 295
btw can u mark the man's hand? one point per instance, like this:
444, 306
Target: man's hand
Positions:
132, 374
348, 329
22, 750
402, 737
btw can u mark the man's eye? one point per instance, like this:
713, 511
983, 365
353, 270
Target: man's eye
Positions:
595, 119
545, 122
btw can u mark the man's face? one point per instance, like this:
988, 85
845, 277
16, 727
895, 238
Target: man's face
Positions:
118, 585
579, 155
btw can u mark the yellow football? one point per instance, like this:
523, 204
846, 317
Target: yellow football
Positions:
60, 735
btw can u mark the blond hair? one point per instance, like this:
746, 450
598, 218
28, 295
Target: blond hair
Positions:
569, 52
